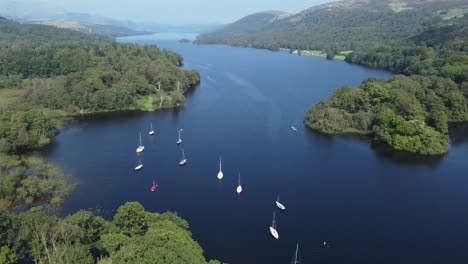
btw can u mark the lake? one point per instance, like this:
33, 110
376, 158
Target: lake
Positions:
367, 203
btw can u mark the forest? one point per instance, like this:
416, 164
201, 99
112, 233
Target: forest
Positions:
438, 51
132, 236
46, 75
337, 26
407, 113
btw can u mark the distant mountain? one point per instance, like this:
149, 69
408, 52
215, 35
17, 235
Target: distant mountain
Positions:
13, 33
106, 30
39, 12
338, 26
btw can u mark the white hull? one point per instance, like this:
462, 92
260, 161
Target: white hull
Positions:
274, 233
179, 141
280, 206
293, 128
220, 175
239, 189
151, 133
137, 168
182, 162
140, 149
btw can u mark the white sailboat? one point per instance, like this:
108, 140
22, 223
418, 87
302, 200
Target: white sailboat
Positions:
220, 173
239, 187
183, 160
296, 256
273, 231
139, 166
179, 140
140, 148
151, 132
293, 128
280, 205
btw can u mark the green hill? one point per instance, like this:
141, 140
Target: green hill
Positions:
338, 26
12, 33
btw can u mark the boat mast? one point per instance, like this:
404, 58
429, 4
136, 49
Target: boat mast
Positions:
179, 133
151, 126
183, 154
274, 222
219, 163
140, 138
239, 179
295, 260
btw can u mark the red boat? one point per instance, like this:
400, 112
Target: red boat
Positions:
153, 188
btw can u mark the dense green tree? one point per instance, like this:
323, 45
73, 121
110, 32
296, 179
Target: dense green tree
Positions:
406, 113
86, 238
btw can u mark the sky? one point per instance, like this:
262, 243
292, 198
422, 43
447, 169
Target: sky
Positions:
182, 11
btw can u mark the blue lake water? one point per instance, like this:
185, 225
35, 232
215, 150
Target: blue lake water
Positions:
369, 204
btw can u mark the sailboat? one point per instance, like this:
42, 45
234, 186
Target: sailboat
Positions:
273, 231
183, 160
220, 173
239, 187
139, 166
179, 140
153, 187
296, 257
151, 132
140, 148
293, 127
280, 205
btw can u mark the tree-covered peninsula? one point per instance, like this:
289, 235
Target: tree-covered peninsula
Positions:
407, 113
77, 73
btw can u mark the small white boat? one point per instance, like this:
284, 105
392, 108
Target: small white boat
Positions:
183, 160
151, 132
273, 231
280, 205
140, 148
220, 173
139, 166
239, 187
296, 256
179, 140
293, 128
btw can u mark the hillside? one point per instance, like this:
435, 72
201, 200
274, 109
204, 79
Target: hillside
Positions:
12, 33
99, 29
338, 26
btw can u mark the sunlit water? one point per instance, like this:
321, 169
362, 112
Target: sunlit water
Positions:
370, 205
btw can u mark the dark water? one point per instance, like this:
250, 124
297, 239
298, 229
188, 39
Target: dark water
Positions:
369, 204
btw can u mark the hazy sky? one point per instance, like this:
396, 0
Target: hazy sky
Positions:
182, 11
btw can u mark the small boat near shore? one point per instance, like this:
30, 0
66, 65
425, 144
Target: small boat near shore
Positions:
140, 148
151, 132
179, 139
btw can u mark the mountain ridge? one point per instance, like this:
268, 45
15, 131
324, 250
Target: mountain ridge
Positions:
337, 26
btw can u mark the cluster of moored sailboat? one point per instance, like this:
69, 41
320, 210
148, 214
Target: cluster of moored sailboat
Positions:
273, 229
141, 148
